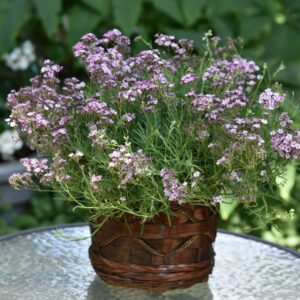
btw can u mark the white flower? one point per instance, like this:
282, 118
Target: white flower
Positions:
9, 144
263, 173
122, 198
21, 57
80, 85
10, 122
196, 174
217, 199
77, 155
235, 176
221, 161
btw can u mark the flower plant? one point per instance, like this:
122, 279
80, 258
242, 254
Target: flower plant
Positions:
162, 126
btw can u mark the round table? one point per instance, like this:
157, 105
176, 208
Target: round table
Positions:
46, 264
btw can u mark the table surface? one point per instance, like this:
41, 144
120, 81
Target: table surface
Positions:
43, 265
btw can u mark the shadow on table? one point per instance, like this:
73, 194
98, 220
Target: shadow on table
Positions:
98, 290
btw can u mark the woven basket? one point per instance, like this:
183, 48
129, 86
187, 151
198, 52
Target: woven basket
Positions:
156, 256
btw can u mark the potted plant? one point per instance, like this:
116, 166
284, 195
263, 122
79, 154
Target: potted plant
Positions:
151, 146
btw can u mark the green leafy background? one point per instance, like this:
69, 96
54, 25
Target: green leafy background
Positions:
270, 28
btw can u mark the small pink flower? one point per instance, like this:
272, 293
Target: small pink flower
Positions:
188, 78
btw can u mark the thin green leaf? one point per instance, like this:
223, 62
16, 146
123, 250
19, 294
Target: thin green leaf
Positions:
286, 184
227, 209
280, 68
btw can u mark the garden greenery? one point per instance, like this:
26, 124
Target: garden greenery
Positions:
164, 126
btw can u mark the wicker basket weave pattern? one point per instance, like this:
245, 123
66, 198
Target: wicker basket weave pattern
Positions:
156, 256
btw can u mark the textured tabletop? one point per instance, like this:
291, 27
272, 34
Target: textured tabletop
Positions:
41, 266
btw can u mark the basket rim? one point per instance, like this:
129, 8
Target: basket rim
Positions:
81, 224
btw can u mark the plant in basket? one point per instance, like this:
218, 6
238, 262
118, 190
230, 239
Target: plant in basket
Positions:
151, 146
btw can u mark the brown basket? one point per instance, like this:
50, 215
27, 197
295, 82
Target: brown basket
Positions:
157, 256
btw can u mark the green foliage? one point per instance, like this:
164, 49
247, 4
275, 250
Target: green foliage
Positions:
13, 14
171, 8
127, 13
102, 6
81, 20
48, 12
258, 25
287, 230
192, 10
270, 28
43, 210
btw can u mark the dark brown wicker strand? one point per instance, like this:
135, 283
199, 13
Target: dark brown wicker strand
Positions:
159, 256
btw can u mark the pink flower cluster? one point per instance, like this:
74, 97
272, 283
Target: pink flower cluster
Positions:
189, 77
287, 144
97, 136
182, 47
103, 57
148, 98
95, 179
237, 71
43, 109
99, 109
204, 102
129, 165
285, 120
214, 106
270, 100
246, 129
34, 165
173, 189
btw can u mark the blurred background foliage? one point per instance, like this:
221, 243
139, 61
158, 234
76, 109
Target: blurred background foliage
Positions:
270, 29
42, 210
